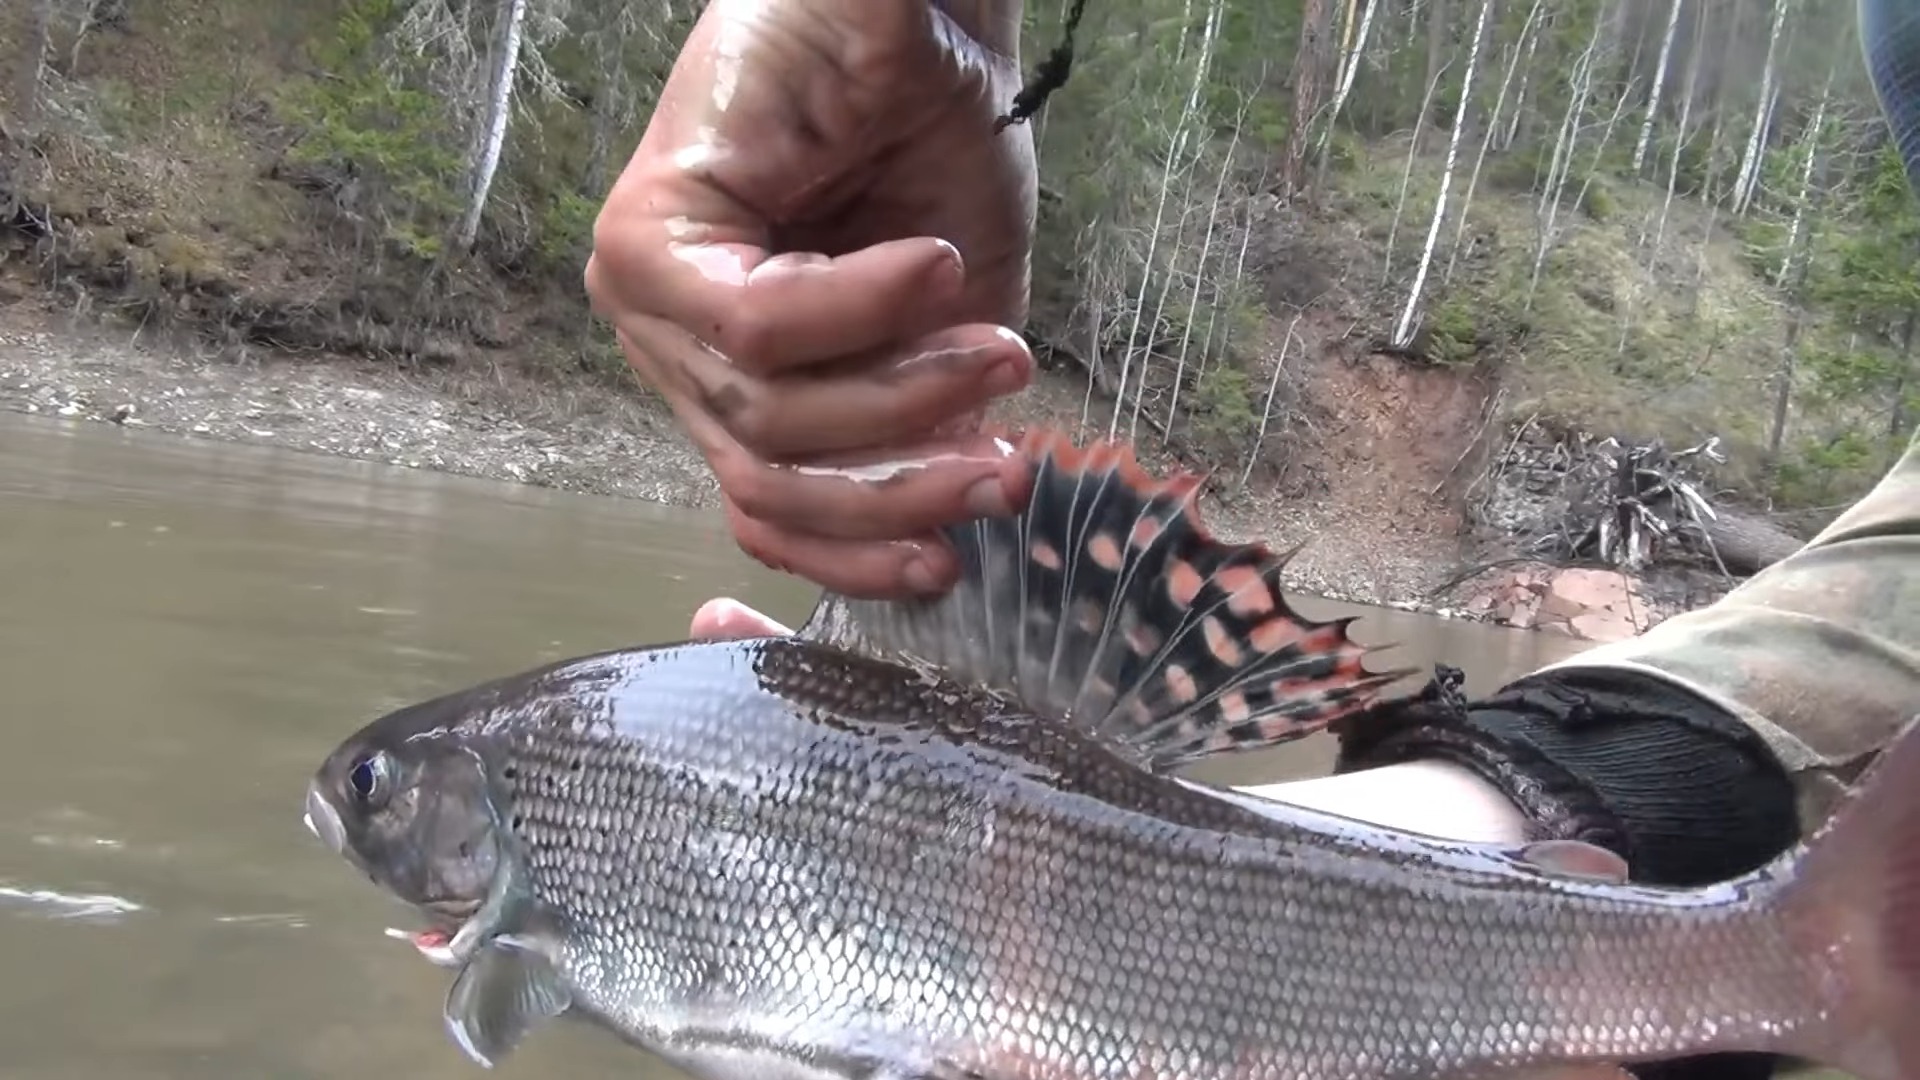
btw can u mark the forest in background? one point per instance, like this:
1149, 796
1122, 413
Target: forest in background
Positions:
1672, 219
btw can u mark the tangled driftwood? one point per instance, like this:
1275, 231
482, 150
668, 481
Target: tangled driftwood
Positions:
1627, 503
1627, 506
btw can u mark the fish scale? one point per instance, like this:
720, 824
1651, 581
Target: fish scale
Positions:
943, 840
1105, 918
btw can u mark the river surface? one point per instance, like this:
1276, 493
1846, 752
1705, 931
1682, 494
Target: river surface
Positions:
187, 628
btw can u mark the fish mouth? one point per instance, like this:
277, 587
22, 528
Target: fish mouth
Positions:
435, 944
445, 920
323, 821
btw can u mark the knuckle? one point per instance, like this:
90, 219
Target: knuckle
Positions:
746, 337
751, 488
758, 547
755, 424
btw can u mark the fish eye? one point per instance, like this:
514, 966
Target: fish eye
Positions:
364, 779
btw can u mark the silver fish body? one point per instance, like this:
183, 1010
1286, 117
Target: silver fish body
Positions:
802, 858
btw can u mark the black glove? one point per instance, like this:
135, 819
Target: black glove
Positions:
1672, 783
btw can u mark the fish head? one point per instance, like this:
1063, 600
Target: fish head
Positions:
409, 805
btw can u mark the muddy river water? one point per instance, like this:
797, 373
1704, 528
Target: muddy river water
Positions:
186, 628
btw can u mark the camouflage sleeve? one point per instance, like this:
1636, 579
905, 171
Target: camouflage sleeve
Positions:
1819, 654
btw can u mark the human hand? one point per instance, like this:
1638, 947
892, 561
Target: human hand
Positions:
815, 255
724, 619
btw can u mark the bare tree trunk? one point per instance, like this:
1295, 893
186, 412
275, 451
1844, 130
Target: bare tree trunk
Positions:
1200, 266
610, 104
499, 112
1520, 98
1708, 190
1684, 137
1580, 86
1800, 206
1406, 181
1659, 81
1897, 418
1349, 67
1176, 152
1486, 137
1747, 180
1266, 410
1796, 318
1748, 544
1308, 60
1437, 55
1403, 333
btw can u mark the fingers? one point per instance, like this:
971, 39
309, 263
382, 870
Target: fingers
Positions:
724, 618
797, 310
867, 570
924, 387
860, 522
912, 491
889, 488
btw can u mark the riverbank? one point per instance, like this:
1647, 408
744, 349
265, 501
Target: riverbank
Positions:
583, 434
1358, 541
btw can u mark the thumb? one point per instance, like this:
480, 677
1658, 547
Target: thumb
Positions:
724, 618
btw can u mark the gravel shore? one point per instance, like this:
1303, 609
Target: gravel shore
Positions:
578, 435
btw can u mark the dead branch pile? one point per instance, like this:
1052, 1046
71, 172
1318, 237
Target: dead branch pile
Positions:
1627, 504
1624, 505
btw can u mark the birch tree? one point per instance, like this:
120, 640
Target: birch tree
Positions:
1349, 70
486, 160
1659, 81
1747, 180
1802, 204
1580, 87
1403, 332
1486, 138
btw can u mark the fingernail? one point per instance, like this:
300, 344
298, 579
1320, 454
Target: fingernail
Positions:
947, 273
988, 498
1006, 377
920, 577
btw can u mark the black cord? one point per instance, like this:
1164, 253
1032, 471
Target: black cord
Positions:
1050, 75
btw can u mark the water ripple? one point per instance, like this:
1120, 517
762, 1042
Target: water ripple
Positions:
54, 904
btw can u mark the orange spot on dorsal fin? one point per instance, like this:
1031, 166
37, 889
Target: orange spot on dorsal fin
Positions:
1107, 602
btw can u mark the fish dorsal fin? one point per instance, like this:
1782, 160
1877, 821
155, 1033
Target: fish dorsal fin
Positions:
1108, 604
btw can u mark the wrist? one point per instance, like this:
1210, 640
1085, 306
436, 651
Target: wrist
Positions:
1685, 793
995, 24
1430, 797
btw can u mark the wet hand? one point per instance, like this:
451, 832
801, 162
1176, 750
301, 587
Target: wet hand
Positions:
814, 255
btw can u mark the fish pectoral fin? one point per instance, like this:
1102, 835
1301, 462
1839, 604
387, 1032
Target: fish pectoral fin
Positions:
504, 992
1574, 859
1107, 603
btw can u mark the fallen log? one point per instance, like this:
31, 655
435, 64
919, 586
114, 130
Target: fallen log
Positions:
1748, 543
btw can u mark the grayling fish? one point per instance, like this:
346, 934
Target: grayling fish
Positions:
941, 840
